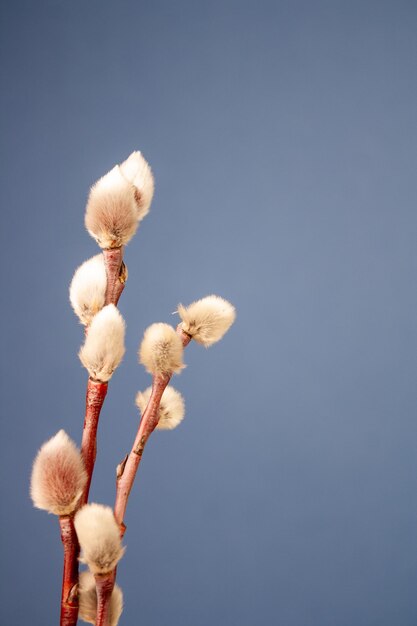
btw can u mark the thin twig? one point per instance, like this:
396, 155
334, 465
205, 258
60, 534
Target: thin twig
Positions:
104, 588
116, 274
126, 471
148, 423
96, 393
69, 594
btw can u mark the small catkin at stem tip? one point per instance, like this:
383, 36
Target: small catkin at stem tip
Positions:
137, 171
119, 201
208, 319
111, 216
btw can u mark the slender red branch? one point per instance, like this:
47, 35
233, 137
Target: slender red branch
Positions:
104, 588
127, 473
116, 274
96, 392
147, 425
69, 595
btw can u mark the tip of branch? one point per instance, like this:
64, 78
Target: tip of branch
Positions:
208, 319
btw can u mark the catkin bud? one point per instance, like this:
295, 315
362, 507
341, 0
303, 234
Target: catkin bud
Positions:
161, 350
99, 537
137, 171
119, 201
58, 476
111, 213
104, 348
88, 601
88, 289
208, 319
171, 408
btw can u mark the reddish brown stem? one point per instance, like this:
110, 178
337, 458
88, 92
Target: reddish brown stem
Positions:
147, 424
126, 472
104, 588
116, 274
96, 392
69, 595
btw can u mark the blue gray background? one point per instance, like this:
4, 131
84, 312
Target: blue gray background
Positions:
282, 136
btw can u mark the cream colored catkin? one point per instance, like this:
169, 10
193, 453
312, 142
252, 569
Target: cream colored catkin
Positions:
99, 537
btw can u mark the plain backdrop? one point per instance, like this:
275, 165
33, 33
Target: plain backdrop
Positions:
282, 135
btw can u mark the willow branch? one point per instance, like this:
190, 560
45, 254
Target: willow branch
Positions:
96, 393
116, 273
104, 588
127, 470
147, 425
69, 594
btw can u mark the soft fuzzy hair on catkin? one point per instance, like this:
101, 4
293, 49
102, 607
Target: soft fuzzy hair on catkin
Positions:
88, 601
88, 289
99, 537
161, 350
111, 215
208, 319
171, 408
58, 476
137, 171
104, 348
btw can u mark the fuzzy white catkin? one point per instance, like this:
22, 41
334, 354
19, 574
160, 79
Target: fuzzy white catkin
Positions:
111, 212
119, 201
88, 600
104, 348
88, 289
58, 476
161, 350
137, 171
208, 319
171, 408
99, 537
